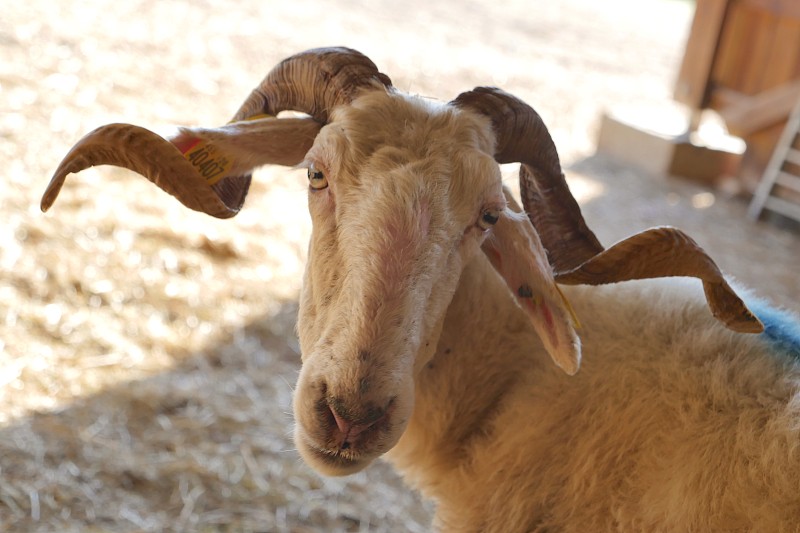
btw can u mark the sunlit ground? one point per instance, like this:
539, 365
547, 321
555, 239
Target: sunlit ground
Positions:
146, 352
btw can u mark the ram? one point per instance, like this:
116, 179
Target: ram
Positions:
431, 303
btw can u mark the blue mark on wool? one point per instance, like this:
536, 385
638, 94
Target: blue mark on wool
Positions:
781, 328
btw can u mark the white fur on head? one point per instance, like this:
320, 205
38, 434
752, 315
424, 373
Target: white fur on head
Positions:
407, 183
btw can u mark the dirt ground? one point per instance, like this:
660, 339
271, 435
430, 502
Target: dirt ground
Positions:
147, 352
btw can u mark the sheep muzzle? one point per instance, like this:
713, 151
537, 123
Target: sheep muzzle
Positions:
342, 422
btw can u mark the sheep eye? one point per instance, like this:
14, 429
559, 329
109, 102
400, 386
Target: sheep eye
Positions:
488, 219
316, 179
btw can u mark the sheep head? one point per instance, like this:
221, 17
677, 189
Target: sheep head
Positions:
403, 193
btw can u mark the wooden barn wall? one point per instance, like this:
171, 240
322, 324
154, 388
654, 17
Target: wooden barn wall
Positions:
742, 57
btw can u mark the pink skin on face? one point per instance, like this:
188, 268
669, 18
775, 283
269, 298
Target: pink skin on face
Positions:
403, 239
536, 306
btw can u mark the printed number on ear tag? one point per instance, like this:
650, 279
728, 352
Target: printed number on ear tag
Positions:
212, 164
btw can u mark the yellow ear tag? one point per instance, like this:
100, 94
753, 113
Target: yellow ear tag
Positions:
209, 161
575, 322
260, 116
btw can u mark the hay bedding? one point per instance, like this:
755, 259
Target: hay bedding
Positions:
147, 353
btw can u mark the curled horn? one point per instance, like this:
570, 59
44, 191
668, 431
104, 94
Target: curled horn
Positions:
575, 254
663, 252
312, 82
152, 156
523, 138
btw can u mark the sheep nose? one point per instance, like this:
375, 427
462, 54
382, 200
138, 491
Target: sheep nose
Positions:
350, 427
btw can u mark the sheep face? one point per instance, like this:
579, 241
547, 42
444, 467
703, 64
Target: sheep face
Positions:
400, 194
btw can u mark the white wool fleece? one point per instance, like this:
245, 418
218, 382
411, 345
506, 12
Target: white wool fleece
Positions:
673, 423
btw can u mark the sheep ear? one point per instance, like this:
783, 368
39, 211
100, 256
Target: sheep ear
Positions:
206, 169
251, 143
516, 252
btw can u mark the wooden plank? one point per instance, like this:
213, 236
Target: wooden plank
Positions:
694, 76
633, 145
793, 156
783, 207
790, 181
733, 55
722, 97
783, 59
745, 116
757, 62
780, 8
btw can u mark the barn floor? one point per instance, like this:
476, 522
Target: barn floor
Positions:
147, 353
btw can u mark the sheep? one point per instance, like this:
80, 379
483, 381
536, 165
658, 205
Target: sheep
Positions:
433, 302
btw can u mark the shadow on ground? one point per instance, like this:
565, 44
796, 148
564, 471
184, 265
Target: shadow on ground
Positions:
204, 447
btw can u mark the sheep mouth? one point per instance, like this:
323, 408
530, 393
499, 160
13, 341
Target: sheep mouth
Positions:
333, 461
334, 454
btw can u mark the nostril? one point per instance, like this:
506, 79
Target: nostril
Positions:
349, 426
342, 423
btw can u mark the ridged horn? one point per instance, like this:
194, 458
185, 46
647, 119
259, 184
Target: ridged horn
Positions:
152, 156
575, 254
523, 138
312, 82
663, 252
